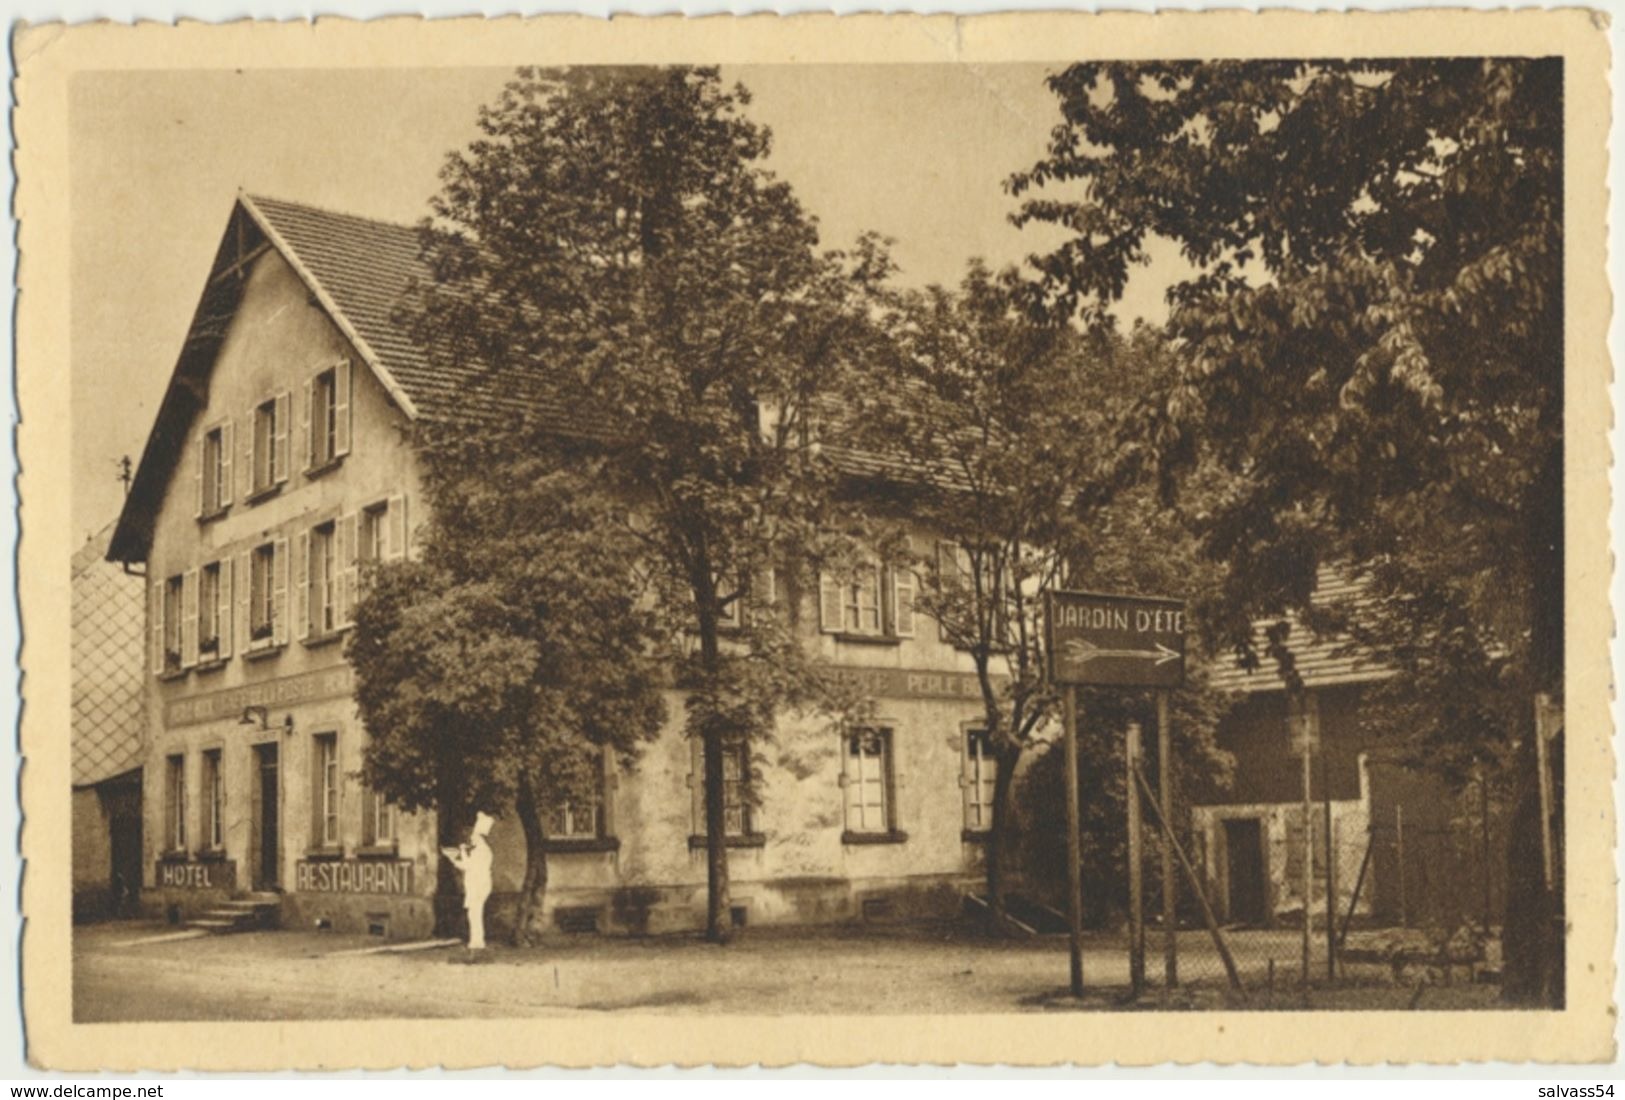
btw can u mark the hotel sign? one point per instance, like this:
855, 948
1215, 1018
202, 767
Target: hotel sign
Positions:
353, 876
218, 874
326, 683
1121, 641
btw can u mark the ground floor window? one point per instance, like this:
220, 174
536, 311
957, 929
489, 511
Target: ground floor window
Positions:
214, 798
866, 775
377, 819
325, 798
175, 803
737, 812
581, 818
981, 770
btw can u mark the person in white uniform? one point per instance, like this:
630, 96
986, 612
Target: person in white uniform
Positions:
473, 860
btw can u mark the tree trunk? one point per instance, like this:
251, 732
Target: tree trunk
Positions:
997, 841
1533, 936
533, 891
451, 824
719, 926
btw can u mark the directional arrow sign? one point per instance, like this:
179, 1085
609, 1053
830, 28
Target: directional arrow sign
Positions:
1127, 641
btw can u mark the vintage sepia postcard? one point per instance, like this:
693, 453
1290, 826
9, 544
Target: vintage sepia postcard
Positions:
1027, 539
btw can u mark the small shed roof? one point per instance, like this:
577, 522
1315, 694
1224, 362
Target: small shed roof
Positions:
1322, 660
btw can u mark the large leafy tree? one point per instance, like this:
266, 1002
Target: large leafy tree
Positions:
498, 669
1002, 419
613, 246
1371, 329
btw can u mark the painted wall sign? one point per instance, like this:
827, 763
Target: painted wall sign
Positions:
901, 683
353, 876
218, 874
324, 683
1123, 641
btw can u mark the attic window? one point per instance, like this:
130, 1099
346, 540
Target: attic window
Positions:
327, 416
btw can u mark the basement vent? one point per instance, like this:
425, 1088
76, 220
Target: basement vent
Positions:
877, 908
739, 914
378, 924
577, 920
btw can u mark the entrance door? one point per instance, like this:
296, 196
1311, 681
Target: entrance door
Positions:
267, 831
122, 802
1244, 854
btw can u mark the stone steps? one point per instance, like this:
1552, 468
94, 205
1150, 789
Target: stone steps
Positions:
240, 914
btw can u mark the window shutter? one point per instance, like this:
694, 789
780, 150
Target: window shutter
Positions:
606, 815
306, 415
157, 618
189, 614
222, 626
228, 440
947, 578
245, 596
279, 448
341, 408
696, 782
829, 604
303, 604
248, 456
395, 517
902, 601
346, 571
202, 451
279, 592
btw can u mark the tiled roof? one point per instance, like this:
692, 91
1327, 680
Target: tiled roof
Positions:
358, 269
109, 653
1322, 660
363, 267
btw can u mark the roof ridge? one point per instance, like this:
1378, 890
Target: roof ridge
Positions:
329, 211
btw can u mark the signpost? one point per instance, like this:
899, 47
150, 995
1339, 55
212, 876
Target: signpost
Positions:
1107, 640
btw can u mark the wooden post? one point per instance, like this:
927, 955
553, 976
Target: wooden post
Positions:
1399, 846
1544, 783
1331, 861
1484, 797
1308, 843
1197, 889
1165, 785
1074, 840
1136, 904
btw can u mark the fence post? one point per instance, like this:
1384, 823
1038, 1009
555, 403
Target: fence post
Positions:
1165, 784
1399, 846
1136, 903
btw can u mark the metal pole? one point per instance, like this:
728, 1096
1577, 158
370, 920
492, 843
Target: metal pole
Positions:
1165, 784
1074, 840
1136, 904
1308, 844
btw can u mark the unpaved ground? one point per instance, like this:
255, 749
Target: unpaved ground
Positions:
917, 969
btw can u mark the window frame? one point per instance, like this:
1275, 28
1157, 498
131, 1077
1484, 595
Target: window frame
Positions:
863, 831
175, 804
738, 754
262, 596
174, 623
212, 804
976, 756
327, 793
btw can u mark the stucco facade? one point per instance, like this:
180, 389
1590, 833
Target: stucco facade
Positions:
252, 772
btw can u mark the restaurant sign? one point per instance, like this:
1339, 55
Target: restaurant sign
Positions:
214, 874
353, 876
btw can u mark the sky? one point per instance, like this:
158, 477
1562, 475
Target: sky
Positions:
916, 152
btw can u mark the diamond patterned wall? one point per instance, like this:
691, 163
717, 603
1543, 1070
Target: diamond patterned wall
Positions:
109, 657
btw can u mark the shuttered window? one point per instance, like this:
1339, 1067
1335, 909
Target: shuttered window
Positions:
324, 800
981, 770
866, 775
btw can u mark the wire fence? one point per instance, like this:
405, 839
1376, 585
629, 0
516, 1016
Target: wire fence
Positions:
1359, 896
